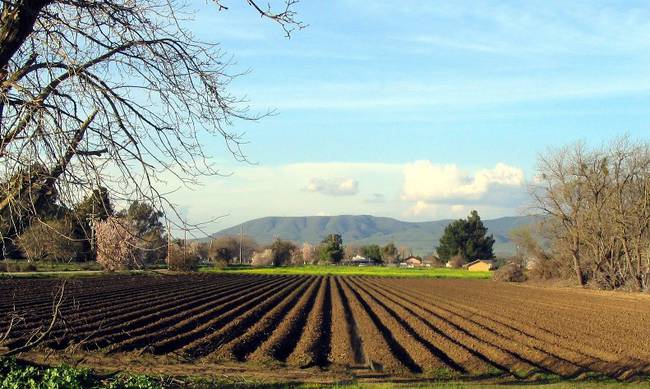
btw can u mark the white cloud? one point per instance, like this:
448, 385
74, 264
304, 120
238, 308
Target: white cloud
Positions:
436, 183
420, 208
333, 186
416, 191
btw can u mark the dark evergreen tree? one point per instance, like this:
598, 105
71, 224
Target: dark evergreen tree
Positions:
466, 238
145, 217
97, 206
150, 229
331, 249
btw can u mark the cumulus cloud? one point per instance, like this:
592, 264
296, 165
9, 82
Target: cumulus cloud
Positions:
447, 183
333, 186
420, 190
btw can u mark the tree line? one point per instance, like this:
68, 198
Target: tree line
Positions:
331, 250
51, 231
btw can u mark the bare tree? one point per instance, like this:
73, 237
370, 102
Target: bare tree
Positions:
110, 93
598, 207
351, 250
560, 195
308, 253
630, 207
227, 248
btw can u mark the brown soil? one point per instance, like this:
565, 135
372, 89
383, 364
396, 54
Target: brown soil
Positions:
332, 329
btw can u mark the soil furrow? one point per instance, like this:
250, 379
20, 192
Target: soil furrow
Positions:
314, 344
201, 346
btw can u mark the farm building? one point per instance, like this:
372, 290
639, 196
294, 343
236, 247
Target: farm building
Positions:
479, 265
412, 262
358, 260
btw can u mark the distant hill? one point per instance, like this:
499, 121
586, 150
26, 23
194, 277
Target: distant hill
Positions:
422, 237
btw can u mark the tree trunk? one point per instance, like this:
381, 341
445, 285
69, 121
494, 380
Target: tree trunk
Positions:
575, 252
634, 275
578, 269
16, 23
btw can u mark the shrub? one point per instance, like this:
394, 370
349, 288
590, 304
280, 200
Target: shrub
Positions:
15, 374
180, 259
510, 272
30, 267
11, 267
118, 246
125, 381
53, 240
544, 269
18, 375
457, 261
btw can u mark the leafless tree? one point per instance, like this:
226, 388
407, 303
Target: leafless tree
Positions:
597, 203
560, 194
351, 250
228, 247
308, 253
110, 93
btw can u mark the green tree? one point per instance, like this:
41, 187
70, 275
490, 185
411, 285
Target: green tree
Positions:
331, 249
23, 207
372, 252
145, 217
389, 253
150, 229
97, 205
467, 239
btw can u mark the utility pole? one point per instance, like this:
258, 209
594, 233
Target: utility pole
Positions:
241, 239
169, 242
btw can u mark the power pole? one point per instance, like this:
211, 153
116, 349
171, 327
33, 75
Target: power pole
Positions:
169, 242
241, 239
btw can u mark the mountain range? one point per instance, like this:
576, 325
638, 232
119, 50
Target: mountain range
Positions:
421, 237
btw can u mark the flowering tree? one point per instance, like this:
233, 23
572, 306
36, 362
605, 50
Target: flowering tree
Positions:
118, 244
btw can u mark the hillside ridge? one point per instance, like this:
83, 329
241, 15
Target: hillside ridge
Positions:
422, 237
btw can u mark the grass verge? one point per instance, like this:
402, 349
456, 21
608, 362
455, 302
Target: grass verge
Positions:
423, 272
19, 374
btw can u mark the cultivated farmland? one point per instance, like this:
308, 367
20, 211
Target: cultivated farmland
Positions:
396, 327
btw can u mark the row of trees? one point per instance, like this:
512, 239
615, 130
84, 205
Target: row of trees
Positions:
284, 252
54, 232
330, 251
597, 207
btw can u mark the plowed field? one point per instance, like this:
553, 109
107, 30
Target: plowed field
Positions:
396, 327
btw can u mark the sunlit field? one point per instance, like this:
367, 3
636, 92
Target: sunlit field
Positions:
381, 271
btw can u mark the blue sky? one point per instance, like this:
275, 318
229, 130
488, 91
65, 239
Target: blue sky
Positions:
419, 110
